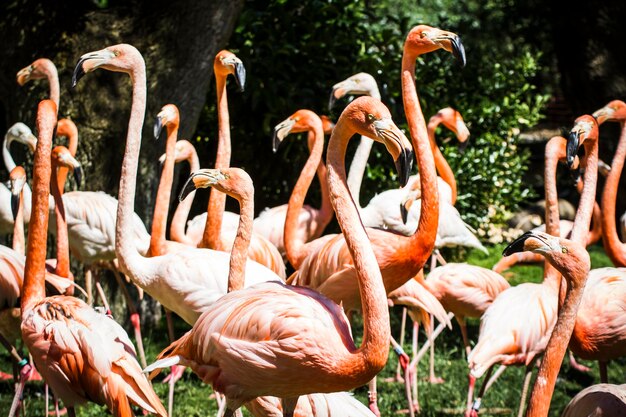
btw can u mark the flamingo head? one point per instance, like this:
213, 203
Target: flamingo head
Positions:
17, 179
37, 70
369, 117
182, 152
227, 63
568, 257
407, 203
585, 129
301, 121
67, 128
614, 111
21, 133
423, 39
168, 115
116, 58
234, 182
327, 124
358, 84
61, 157
453, 120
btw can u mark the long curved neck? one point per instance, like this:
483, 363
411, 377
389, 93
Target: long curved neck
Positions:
376, 331
582, 221
33, 290
177, 228
359, 163
217, 200
612, 245
555, 150
161, 207
62, 267
125, 249
72, 146
442, 166
18, 227
53, 80
294, 245
555, 351
239, 254
326, 211
422, 242
595, 233
9, 163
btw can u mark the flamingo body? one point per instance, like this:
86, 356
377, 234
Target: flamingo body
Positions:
336, 404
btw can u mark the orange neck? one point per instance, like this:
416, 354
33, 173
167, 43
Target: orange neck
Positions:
177, 228
217, 200
421, 244
595, 233
615, 249
18, 227
442, 166
62, 268
239, 254
555, 151
294, 245
372, 354
543, 389
33, 290
326, 212
72, 145
161, 207
582, 221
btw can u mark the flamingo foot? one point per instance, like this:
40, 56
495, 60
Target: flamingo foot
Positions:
61, 412
373, 403
5, 377
176, 373
436, 380
394, 379
471, 413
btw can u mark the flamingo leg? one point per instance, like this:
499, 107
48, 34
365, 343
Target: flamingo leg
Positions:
604, 377
495, 376
170, 325
432, 378
429, 341
522, 403
463, 326
475, 406
416, 327
373, 398
398, 368
89, 285
413, 404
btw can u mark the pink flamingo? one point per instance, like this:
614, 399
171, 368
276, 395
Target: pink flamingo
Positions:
180, 281
336, 404
251, 351
20, 133
83, 355
218, 225
185, 151
40, 69
305, 222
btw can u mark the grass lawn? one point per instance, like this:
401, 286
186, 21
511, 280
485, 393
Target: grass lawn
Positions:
192, 396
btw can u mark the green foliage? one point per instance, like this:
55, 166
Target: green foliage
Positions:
295, 51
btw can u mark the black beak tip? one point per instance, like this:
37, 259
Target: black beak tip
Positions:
79, 72
331, 100
572, 148
575, 175
517, 245
463, 146
188, 188
458, 51
404, 213
276, 142
15, 204
403, 167
78, 176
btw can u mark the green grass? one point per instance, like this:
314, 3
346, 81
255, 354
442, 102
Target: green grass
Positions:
192, 396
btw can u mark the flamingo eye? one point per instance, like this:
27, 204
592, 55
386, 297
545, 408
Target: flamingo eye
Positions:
564, 249
371, 117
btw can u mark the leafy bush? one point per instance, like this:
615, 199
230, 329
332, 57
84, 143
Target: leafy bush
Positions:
296, 50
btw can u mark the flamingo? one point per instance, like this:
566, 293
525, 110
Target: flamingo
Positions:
306, 223
218, 225
20, 133
182, 282
329, 267
600, 327
606, 400
39, 69
83, 355
572, 260
285, 341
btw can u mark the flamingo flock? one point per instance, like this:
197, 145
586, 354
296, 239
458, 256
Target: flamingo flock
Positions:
280, 344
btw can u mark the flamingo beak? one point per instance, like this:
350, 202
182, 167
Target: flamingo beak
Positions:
23, 75
530, 241
90, 62
451, 42
240, 75
15, 204
463, 146
281, 131
603, 168
404, 164
398, 146
404, 212
78, 175
202, 178
573, 141
158, 127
